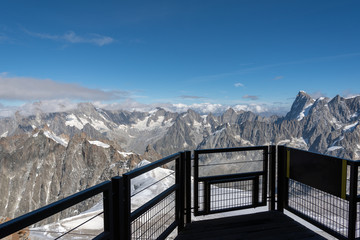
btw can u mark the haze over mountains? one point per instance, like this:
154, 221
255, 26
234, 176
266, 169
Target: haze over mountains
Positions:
47, 156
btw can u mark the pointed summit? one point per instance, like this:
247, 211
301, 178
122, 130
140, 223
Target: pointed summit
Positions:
300, 107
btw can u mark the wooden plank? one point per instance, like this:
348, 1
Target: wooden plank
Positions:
260, 226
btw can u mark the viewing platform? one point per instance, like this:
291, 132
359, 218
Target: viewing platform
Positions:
222, 184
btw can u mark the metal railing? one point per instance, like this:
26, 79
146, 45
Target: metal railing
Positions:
31, 218
320, 189
162, 213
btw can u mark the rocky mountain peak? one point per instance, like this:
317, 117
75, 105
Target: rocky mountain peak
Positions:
86, 108
300, 107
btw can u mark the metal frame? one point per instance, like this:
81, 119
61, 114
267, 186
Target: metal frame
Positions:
207, 181
352, 198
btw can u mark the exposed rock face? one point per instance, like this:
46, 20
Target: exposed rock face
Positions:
300, 107
80, 148
42, 171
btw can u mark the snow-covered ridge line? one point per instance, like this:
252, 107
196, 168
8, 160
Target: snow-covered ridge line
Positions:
54, 137
99, 144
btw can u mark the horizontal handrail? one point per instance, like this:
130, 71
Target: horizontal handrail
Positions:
33, 217
234, 149
231, 176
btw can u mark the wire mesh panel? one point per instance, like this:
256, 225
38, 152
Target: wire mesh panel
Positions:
152, 223
324, 208
229, 179
149, 185
154, 193
230, 195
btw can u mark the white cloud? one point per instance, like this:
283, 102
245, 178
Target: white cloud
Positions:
31, 89
250, 97
72, 37
239, 85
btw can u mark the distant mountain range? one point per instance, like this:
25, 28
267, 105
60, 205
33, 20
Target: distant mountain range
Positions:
47, 156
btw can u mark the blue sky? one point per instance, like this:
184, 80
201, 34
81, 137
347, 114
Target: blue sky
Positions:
248, 52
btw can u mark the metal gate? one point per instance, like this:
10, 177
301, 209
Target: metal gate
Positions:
230, 179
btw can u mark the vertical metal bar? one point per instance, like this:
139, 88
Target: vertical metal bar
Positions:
179, 194
127, 206
255, 192
188, 186
117, 211
108, 211
272, 176
207, 190
265, 176
281, 178
196, 183
353, 200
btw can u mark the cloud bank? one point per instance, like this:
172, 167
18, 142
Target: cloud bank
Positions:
31, 89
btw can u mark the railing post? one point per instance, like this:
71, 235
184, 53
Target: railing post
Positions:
265, 179
281, 178
108, 211
117, 209
180, 192
187, 165
272, 176
196, 184
127, 207
353, 200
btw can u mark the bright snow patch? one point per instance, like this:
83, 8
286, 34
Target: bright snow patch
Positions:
218, 131
294, 142
350, 127
125, 154
304, 112
98, 125
99, 144
55, 138
4, 134
72, 121
330, 149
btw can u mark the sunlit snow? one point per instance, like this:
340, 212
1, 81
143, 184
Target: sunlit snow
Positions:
304, 112
55, 138
4, 134
72, 121
330, 149
99, 144
350, 127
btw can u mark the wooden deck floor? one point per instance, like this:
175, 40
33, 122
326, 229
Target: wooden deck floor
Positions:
259, 226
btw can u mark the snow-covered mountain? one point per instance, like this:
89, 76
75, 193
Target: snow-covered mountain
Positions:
47, 156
